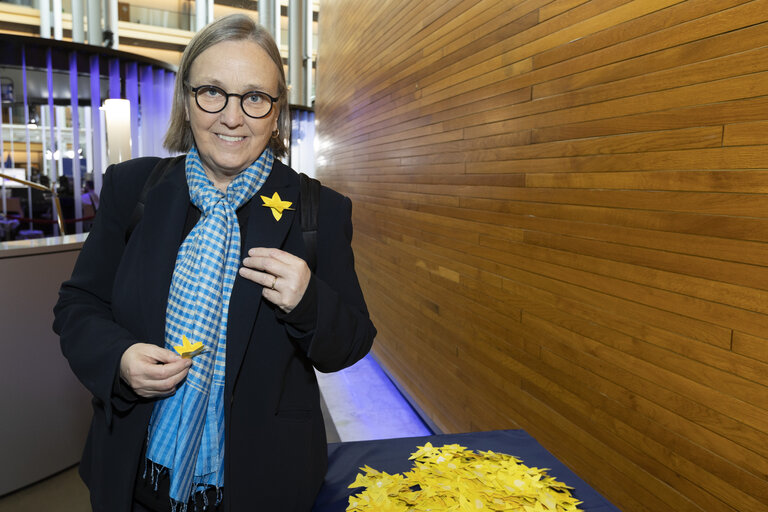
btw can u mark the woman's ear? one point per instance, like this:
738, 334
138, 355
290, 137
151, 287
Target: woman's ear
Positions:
276, 118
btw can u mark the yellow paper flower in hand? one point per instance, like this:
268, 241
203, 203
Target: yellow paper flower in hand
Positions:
188, 349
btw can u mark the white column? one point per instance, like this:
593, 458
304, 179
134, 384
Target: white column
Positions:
58, 32
113, 18
60, 126
201, 8
269, 18
110, 21
295, 51
78, 21
203, 13
306, 18
276, 22
94, 23
45, 18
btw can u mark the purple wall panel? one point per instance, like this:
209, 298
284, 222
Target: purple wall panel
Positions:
115, 90
132, 94
96, 122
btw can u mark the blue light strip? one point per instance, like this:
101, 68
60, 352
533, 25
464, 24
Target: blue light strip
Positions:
364, 404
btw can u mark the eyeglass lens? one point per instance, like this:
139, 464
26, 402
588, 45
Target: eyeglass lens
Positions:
213, 99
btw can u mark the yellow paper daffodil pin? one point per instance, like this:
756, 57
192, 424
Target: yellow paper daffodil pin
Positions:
188, 350
276, 204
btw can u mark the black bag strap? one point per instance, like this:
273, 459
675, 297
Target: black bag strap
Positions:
310, 205
157, 173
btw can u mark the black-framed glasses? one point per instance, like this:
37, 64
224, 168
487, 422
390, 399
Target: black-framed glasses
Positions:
212, 99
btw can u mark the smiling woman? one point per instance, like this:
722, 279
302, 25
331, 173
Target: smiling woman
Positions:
229, 140
238, 421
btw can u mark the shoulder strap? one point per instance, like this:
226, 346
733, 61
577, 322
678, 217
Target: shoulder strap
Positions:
157, 173
310, 204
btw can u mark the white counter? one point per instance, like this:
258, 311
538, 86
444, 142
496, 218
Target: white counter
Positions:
50, 244
44, 410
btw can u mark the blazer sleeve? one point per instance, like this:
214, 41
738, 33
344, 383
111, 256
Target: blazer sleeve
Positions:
343, 331
91, 340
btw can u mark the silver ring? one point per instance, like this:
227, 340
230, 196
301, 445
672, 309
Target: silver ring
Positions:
274, 282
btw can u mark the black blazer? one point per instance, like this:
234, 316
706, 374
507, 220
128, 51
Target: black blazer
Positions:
275, 439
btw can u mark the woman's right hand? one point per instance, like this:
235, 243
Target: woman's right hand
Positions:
153, 371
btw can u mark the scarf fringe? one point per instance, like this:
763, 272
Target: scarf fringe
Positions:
155, 470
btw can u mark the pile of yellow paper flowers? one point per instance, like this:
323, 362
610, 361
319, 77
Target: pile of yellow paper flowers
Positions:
453, 478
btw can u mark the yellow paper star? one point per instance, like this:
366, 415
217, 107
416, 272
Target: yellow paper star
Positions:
188, 349
453, 478
276, 204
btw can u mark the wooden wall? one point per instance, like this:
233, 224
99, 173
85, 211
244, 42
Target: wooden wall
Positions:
561, 224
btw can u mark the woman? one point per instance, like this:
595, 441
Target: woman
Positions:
217, 259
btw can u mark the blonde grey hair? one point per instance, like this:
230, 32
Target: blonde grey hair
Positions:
235, 27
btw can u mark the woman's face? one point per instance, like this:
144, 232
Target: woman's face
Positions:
229, 141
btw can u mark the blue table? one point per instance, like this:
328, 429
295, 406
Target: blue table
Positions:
391, 455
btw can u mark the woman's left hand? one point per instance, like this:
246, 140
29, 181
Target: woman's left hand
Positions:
284, 276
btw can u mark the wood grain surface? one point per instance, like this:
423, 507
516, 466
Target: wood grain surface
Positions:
561, 225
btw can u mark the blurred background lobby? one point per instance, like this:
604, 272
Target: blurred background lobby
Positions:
560, 220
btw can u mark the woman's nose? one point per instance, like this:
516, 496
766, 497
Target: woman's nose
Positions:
232, 115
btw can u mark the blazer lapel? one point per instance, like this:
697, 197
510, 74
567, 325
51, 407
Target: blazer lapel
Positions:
263, 231
162, 226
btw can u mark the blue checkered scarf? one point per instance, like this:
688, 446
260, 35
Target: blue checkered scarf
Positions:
186, 432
